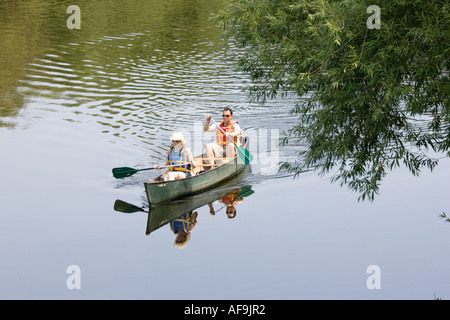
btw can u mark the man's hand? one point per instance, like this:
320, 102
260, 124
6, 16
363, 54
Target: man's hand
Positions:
208, 118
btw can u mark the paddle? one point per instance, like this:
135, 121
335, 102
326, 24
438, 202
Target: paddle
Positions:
243, 153
123, 172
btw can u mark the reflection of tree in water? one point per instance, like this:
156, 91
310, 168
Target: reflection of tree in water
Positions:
113, 34
21, 40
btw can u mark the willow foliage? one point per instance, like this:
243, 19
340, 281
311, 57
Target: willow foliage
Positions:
376, 98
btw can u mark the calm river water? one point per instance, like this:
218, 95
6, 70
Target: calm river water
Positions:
75, 103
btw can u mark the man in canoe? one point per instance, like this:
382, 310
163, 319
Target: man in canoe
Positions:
179, 157
223, 146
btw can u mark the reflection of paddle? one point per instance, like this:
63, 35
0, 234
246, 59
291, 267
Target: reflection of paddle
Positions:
123, 172
126, 207
243, 153
245, 192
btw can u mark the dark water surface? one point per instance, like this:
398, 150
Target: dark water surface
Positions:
76, 103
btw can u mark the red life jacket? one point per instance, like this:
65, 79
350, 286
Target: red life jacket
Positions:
230, 197
221, 139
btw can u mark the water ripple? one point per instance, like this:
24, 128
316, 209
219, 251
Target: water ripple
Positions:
147, 96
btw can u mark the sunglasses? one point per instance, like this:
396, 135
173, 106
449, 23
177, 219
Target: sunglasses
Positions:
226, 115
178, 141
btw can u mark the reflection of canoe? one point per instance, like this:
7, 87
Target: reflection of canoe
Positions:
159, 191
163, 214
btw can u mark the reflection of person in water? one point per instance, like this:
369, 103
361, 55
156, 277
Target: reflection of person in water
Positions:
183, 227
230, 200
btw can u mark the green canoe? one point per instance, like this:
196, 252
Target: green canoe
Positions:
159, 191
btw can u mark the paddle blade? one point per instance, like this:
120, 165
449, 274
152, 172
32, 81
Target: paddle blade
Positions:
246, 191
123, 172
244, 154
246, 194
126, 207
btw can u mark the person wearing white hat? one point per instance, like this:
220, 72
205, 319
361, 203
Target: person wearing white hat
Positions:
179, 157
